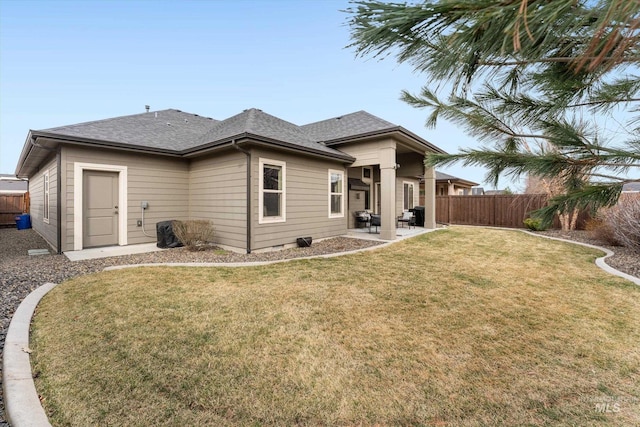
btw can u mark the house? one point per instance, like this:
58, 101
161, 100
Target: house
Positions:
449, 185
263, 181
631, 187
10, 184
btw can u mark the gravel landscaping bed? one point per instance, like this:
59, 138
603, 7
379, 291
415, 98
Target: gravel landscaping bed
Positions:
20, 273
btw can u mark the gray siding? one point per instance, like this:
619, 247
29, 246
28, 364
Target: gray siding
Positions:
218, 192
307, 196
36, 192
161, 181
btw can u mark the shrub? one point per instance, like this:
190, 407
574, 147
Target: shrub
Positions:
621, 223
601, 230
195, 235
534, 224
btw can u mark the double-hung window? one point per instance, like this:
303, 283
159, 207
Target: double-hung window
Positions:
272, 202
45, 213
336, 193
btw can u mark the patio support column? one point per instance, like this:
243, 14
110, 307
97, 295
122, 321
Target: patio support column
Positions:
387, 155
429, 198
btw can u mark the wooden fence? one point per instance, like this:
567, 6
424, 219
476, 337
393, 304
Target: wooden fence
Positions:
495, 210
12, 205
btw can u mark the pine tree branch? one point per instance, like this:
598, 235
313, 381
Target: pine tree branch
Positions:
566, 60
553, 62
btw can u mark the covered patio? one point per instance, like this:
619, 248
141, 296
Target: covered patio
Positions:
385, 181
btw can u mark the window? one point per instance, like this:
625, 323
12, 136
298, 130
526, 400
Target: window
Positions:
45, 214
408, 196
336, 193
272, 202
366, 173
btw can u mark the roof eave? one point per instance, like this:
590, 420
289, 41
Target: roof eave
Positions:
32, 147
249, 137
458, 181
26, 150
386, 132
105, 143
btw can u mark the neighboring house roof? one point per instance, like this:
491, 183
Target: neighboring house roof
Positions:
631, 187
174, 132
11, 184
443, 177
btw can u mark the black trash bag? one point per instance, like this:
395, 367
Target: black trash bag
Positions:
166, 237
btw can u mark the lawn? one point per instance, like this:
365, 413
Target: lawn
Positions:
461, 327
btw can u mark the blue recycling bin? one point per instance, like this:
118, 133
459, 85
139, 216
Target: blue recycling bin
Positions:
23, 221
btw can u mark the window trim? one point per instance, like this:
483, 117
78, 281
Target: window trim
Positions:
46, 202
370, 173
341, 213
413, 194
283, 215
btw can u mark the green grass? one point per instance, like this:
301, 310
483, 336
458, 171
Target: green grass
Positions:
461, 327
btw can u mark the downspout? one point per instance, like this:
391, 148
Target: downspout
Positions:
59, 205
248, 154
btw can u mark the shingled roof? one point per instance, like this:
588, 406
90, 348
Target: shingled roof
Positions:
358, 123
258, 124
179, 133
171, 130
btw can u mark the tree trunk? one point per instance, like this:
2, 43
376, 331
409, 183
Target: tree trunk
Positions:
568, 221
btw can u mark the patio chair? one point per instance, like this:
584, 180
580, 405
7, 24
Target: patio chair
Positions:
375, 222
409, 218
362, 218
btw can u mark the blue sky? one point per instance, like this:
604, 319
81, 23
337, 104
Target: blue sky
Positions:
66, 62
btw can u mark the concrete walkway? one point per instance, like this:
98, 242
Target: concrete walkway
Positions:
22, 405
109, 251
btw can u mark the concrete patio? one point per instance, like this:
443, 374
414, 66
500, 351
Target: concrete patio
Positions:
401, 233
